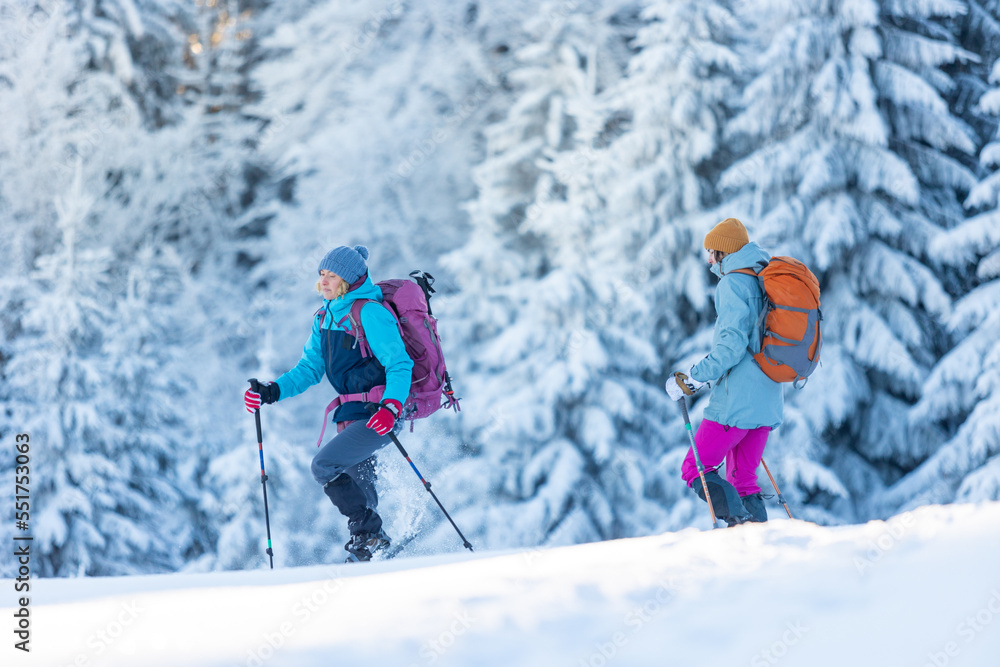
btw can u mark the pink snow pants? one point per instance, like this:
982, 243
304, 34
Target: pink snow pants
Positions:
741, 449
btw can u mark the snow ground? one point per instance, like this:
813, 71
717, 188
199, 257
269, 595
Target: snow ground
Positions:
921, 589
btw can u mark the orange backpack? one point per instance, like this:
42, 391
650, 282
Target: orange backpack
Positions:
789, 321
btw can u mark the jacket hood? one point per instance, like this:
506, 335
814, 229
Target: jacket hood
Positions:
339, 308
747, 257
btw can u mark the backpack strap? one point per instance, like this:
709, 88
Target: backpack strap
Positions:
755, 269
756, 274
356, 327
321, 314
766, 308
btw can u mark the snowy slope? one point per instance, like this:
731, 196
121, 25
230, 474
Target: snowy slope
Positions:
920, 589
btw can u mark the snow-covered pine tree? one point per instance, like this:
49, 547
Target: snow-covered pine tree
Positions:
850, 166
376, 101
60, 113
961, 396
550, 363
150, 349
87, 382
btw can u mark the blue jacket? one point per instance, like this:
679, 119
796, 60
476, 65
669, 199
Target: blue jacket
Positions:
331, 351
742, 395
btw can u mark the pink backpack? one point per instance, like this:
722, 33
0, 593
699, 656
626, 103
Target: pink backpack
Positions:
430, 388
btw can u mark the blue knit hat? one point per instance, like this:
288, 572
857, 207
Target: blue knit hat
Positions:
348, 263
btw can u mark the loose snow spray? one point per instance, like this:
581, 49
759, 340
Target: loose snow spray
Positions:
427, 485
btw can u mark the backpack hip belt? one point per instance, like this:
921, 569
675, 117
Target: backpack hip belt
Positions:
373, 395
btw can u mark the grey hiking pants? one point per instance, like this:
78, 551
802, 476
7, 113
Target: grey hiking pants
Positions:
345, 467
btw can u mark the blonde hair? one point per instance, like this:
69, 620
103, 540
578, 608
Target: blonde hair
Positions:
341, 290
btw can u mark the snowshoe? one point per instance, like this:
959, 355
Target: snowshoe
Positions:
361, 547
725, 500
394, 549
755, 505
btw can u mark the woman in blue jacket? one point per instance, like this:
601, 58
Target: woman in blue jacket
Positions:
344, 465
745, 404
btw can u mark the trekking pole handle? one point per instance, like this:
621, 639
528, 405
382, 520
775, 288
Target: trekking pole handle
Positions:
255, 387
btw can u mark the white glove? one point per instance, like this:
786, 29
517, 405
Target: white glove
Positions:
682, 384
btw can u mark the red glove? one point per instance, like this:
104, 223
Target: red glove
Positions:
251, 399
383, 420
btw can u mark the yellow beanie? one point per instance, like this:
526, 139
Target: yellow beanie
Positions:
728, 236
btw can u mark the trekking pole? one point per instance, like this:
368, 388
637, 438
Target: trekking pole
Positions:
781, 498
697, 461
427, 485
263, 477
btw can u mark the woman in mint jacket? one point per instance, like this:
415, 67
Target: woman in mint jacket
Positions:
344, 465
745, 404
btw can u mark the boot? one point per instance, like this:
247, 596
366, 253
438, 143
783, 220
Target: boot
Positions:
362, 546
754, 503
725, 500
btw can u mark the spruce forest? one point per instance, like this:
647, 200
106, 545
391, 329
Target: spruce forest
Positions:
172, 172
